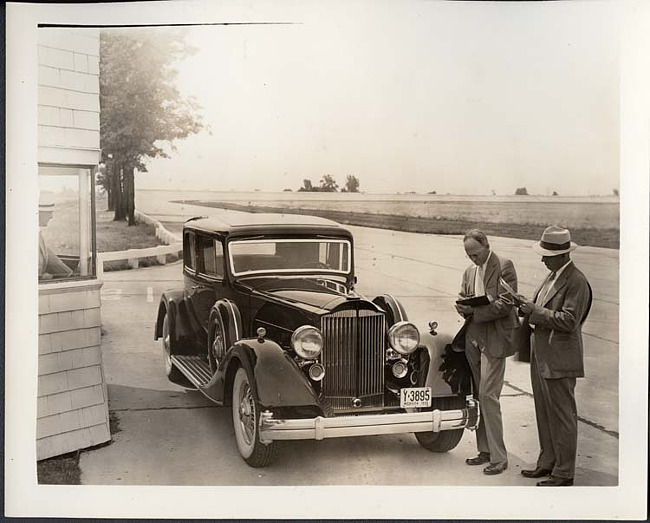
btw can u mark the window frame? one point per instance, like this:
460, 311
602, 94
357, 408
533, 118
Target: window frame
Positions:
200, 268
48, 169
343, 241
189, 245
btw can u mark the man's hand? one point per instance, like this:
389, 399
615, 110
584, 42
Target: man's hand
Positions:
526, 306
464, 310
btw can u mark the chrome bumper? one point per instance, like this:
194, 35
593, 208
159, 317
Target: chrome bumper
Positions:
318, 428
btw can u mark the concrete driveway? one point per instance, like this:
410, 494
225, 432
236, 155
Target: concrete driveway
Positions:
170, 436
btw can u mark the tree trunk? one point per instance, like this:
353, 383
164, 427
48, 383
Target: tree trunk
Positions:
110, 174
118, 193
129, 194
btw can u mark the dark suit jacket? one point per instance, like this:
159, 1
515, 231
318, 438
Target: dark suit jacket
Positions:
558, 325
492, 326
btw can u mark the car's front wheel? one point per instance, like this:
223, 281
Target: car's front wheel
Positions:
445, 440
245, 418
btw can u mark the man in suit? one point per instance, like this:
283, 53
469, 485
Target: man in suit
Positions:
489, 332
555, 314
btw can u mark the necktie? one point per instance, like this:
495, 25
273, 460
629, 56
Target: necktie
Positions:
541, 297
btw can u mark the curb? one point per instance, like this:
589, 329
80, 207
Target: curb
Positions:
173, 245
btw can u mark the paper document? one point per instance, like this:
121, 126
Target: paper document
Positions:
507, 287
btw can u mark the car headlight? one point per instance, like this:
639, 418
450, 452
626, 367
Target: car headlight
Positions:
404, 337
307, 341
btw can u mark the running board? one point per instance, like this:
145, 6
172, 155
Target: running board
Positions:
194, 368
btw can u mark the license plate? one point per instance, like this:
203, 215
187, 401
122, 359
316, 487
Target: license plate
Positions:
415, 397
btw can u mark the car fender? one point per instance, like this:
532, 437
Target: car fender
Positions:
279, 382
230, 318
449, 373
394, 310
172, 302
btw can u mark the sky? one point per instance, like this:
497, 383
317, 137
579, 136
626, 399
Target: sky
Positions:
452, 97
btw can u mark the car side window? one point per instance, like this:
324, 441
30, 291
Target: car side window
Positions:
211, 257
189, 251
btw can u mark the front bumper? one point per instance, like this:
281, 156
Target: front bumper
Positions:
318, 428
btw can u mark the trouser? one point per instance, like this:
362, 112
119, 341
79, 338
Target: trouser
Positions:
557, 421
488, 373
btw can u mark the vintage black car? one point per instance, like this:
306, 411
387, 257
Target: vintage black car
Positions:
268, 322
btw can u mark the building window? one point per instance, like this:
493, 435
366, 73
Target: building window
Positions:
66, 237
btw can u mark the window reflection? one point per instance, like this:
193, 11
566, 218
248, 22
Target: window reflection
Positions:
65, 238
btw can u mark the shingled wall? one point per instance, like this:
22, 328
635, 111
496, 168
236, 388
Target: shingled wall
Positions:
72, 399
72, 408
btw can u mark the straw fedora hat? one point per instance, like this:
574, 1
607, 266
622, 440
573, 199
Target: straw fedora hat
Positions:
555, 241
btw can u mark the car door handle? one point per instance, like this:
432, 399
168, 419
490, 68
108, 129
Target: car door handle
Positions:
196, 287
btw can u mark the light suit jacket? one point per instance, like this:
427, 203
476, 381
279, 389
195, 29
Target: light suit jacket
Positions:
492, 327
558, 325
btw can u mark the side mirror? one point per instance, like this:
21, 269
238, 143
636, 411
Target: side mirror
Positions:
433, 325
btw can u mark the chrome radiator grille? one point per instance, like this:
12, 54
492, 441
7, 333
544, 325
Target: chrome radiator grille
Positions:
353, 356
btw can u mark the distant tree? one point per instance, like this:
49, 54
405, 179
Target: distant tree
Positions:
351, 184
615, 191
432, 192
521, 191
555, 193
287, 190
328, 184
494, 193
103, 182
142, 110
306, 186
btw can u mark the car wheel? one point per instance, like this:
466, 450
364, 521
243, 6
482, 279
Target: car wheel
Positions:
245, 418
172, 373
445, 440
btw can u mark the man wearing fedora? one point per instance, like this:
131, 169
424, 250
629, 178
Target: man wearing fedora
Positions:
555, 314
489, 331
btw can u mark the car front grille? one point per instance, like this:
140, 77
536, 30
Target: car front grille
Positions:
353, 357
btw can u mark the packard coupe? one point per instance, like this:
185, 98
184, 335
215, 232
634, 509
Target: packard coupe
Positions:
268, 322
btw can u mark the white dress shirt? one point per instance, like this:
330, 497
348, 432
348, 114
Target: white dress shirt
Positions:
479, 277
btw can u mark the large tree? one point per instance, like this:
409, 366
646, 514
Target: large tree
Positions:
142, 111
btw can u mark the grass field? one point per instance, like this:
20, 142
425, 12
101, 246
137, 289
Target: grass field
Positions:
118, 236
571, 214
592, 221
62, 232
599, 212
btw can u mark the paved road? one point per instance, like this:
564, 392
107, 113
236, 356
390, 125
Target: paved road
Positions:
169, 436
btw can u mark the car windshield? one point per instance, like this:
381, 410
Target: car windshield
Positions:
289, 256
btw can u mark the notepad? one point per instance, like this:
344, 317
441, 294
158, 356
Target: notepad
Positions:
474, 301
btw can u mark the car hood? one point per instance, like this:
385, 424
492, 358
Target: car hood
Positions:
311, 292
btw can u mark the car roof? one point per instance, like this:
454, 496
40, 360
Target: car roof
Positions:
246, 223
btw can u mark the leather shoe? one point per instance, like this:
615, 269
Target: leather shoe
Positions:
539, 472
556, 482
495, 468
482, 458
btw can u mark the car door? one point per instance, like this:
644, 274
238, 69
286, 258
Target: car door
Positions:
208, 284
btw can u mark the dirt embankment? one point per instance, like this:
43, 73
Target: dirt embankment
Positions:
595, 237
